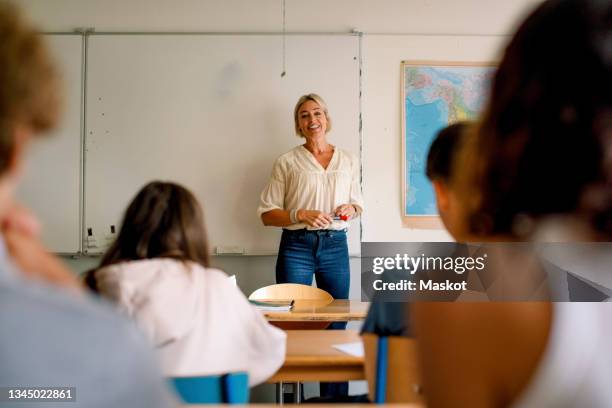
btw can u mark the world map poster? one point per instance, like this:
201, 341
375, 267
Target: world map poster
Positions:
434, 95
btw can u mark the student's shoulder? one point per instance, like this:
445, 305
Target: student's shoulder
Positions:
48, 333
45, 303
70, 324
144, 272
211, 274
217, 281
215, 276
387, 319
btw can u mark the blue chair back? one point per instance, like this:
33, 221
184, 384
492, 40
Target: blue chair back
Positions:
382, 360
230, 388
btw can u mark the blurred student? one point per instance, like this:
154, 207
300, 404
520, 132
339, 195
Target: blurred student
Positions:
49, 335
439, 168
389, 317
157, 271
388, 314
538, 164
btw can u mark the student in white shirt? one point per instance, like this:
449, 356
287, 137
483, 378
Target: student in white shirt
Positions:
540, 161
157, 271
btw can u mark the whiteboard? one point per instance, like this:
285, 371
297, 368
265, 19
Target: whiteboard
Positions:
52, 178
211, 112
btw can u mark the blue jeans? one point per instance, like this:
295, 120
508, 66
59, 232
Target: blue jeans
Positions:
324, 255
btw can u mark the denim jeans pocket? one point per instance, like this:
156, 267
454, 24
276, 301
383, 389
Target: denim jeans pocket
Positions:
337, 236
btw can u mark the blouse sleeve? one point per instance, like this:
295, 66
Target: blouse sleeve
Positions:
273, 195
356, 197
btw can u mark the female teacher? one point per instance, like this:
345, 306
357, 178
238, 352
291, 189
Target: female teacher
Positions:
312, 194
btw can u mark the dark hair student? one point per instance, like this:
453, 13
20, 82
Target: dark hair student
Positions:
538, 168
164, 220
543, 147
442, 151
157, 273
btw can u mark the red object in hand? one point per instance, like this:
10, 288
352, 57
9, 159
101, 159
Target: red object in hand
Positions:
341, 217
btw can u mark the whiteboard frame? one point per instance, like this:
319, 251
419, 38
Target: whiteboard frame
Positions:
87, 32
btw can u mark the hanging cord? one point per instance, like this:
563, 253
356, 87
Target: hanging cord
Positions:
284, 42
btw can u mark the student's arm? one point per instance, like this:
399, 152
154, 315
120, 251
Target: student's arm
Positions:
21, 231
36, 262
479, 354
267, 344
268, 348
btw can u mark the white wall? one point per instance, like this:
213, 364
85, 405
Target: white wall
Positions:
382, 107
479, 17
423, 29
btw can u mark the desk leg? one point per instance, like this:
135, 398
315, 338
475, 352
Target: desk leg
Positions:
279, 393
298, 392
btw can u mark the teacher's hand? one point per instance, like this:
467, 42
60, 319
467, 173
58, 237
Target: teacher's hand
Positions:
346, 210
314, 218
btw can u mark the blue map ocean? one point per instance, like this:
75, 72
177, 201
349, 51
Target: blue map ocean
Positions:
424, 122
430, 93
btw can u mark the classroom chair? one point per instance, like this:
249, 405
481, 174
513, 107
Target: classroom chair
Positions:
291, 291
230, 388
305, 297
392, 380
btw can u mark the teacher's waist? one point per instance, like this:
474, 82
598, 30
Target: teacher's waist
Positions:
304, 231
336, 225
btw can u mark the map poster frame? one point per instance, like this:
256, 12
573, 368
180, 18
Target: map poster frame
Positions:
412, 220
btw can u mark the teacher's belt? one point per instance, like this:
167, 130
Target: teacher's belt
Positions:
320, 232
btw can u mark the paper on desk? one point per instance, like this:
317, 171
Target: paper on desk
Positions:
354, 349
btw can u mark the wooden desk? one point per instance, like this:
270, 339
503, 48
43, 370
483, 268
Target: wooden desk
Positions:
339, 310
311, 357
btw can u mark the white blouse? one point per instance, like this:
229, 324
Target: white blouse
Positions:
576, 368
298, 181
196, 318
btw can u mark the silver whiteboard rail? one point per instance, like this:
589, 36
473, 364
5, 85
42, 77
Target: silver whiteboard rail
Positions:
83, 235
221, 33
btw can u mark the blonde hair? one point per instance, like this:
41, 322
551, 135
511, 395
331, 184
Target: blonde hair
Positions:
316, 99
29, 82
